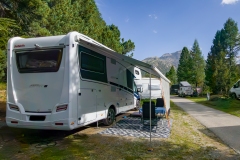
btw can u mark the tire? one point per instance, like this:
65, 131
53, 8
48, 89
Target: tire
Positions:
233, 95
110, 117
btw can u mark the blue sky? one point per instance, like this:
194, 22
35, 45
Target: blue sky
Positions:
165, 26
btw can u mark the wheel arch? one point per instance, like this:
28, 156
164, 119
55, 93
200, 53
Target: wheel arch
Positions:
111, 105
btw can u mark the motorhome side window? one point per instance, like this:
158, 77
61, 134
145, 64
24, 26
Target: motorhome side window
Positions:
130, 80
238, 84
34, 61
92, 65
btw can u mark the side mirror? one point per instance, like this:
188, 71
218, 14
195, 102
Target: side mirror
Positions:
140, 89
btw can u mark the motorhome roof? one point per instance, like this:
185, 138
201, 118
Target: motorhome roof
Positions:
144, 66
57, 40
25, 43
185, 83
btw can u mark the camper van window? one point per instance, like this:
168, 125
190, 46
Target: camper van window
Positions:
130, 79
39, 60
136, 72
135, 87
92, 63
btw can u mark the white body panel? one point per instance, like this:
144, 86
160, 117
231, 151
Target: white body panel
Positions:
145, 84
49, 85
37, 95
236, 89
185, 91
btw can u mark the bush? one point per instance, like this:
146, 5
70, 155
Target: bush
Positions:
3, 66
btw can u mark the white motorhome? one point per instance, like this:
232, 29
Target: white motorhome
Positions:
235, 90
68, 81
185, 89
155, 87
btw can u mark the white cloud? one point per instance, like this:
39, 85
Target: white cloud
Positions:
229, 1
126, 20
154, 31
152, 16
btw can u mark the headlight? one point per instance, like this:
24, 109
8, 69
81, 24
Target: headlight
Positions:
61, 108
13, 107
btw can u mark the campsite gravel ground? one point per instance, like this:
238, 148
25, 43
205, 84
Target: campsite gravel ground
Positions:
188, 140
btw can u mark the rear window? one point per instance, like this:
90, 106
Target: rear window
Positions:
39, 60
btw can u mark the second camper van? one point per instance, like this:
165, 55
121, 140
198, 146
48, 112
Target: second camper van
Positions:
185, 89
235, 90
145, 86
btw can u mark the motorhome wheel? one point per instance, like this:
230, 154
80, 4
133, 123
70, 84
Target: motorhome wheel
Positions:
233, 95
110, 117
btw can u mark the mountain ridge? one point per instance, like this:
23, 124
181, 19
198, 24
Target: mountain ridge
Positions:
164, 62
167, 60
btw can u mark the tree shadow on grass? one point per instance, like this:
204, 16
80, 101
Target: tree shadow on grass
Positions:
2, 110
49, 144
96, 146
35, 136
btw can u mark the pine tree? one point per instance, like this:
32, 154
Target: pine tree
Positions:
221, 70
184, 67
171, 75
23, 12
230, 35
198, 65
6, 27
210, 80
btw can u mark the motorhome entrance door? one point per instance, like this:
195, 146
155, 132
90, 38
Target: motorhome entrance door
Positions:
87, 105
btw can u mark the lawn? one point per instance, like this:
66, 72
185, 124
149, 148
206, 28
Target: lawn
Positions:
188, 140
3, 86
228, 105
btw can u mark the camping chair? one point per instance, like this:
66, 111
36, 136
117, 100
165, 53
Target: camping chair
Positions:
147, 102
160, 103
146, 113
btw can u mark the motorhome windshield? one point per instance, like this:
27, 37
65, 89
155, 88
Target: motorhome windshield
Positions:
34, 61
134, 87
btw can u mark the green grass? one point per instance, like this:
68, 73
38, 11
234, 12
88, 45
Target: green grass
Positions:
147, 100
187, 141
3, 86
228, 105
